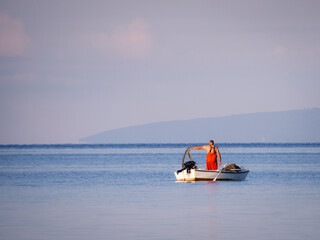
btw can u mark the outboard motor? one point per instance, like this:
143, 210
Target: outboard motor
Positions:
188, 165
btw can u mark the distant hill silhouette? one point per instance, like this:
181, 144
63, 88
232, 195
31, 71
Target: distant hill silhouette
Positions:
285, 126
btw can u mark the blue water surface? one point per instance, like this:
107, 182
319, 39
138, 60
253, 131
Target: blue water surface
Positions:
128, 191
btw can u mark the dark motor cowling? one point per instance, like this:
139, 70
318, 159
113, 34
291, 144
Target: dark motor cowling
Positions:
188, 165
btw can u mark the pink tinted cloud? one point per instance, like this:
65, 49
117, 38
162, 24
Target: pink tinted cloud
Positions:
131, 41
302, 51
13, 39
279, 50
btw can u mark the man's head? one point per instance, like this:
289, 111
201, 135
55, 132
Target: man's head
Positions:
211, 142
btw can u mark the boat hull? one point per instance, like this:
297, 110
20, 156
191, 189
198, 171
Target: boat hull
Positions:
209, 175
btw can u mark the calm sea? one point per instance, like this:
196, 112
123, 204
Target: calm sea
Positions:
129, 192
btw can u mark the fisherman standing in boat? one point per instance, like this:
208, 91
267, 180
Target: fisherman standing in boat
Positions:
212, 152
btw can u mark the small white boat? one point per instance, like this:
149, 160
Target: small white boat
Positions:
209, 175
190, 172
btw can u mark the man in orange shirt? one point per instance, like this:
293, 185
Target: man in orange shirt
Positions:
212, 152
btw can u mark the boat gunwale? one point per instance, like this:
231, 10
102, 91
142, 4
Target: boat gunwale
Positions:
228, 172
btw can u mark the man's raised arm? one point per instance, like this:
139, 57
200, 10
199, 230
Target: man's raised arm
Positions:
197, 148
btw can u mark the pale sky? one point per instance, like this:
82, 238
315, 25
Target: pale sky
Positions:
70, 69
